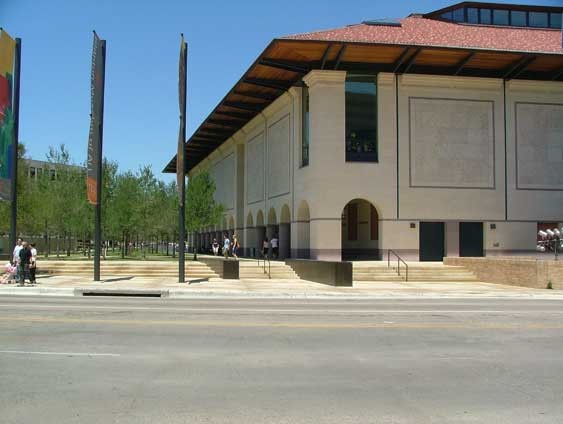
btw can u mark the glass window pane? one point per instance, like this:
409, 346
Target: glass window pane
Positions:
472, 15
458, 15
447, 15
486, 16
538, 19
361, 118
517, 18
500, 17
555, 20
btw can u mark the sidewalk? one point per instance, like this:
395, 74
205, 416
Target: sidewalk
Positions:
275, 289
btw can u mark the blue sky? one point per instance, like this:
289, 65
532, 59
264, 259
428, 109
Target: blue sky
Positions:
141, 110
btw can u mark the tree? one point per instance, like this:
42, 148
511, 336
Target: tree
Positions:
201, 208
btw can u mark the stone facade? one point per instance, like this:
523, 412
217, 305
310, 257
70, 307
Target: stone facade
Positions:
450, 149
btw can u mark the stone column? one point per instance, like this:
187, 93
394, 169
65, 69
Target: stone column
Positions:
452, 238
327, 125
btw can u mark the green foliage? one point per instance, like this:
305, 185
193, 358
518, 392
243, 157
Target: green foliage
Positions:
549, 285
135, 205
201, 209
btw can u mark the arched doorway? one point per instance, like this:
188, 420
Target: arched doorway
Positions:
303, 231
272, 229
260, 231
285, 233
360, 231
250, 237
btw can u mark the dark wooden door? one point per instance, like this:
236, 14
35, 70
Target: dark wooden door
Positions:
431, 243
471, 239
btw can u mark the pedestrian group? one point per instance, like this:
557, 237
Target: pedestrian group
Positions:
23, 265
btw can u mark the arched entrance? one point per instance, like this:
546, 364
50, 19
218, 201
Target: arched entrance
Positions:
272, 230
260, 231
360, 231
285, 233
303, 231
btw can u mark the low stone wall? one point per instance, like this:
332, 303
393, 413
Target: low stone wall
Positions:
514, 271
227, 269
325, 272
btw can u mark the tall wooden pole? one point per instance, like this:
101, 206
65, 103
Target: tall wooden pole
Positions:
15, 145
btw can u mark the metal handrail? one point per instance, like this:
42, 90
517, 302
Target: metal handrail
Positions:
399, 260
264, 257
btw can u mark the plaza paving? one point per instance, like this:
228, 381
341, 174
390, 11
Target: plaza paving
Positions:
272, 288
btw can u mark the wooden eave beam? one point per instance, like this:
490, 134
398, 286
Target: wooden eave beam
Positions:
517, 67
339, 56
252, 107
286, 65
236, 115
259, 96
397, 64
224, 123
408, 64
325, 55
280, 85
459, 67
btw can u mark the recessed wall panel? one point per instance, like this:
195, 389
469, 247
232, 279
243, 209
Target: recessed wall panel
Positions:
255, 169
451, 143
278, 158
539, 146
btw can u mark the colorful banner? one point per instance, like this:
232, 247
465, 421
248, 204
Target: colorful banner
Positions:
7, 56
93, 176
182, 133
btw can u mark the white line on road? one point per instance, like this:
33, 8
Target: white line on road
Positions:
282, 310
25, 352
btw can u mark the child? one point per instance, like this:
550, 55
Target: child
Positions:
9, 276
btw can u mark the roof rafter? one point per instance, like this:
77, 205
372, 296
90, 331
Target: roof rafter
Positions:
280, 85
286, 65
461, 64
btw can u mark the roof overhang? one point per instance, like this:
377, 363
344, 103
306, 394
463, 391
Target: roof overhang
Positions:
285, 61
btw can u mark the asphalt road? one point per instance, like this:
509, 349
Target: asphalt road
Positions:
116, 360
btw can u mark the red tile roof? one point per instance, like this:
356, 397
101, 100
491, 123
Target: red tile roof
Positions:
416, 30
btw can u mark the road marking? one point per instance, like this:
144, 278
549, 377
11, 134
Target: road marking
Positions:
25, 352
313, 325
284, 310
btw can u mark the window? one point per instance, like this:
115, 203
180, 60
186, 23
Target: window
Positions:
32, 172
458, 15
52, 174
361, 118
472, 15
447, 15
305, 127
555, 20
500, 17
517, 18
485, 16
538, 19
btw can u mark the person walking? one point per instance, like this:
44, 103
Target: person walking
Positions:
236, 246
33, 264
275, 244
16, 256
215, 247
24, 261
226, 245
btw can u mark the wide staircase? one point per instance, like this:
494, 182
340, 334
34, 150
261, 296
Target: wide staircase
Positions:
249, 270
418, 272
147, 269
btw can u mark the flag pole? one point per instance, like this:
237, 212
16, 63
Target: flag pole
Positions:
14, 173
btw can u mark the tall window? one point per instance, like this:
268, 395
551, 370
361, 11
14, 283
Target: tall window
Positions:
361, 118
305, 127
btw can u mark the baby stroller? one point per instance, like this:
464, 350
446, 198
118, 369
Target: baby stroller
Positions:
9, 276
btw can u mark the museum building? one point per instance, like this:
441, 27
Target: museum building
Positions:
440, 134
